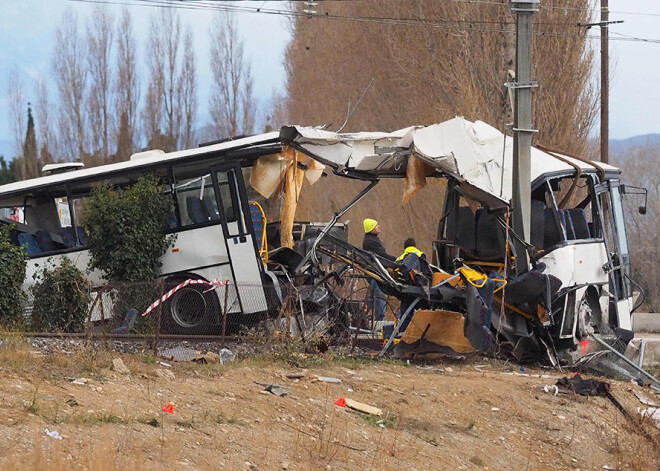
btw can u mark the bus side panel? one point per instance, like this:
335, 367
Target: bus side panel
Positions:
577, 264
79, 258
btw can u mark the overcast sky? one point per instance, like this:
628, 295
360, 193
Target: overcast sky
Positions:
27, 31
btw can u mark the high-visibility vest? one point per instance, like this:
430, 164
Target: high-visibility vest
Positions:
408, 250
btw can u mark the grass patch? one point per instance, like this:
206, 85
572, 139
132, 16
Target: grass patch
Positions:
387, 422
476, 460
184, 424
471, 424
102, 419
430, 440
153, 421
221, 419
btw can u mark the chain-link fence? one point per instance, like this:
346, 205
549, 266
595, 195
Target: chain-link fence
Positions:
182, 318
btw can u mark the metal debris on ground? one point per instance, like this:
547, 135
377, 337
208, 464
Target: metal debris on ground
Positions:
645, 399
593, 387
328, 379
226, 355
275, 389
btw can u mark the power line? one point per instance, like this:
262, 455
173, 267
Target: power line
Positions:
457, 25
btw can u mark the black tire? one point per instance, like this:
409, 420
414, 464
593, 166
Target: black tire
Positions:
190, 311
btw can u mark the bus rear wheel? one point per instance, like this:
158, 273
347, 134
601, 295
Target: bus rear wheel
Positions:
191, 310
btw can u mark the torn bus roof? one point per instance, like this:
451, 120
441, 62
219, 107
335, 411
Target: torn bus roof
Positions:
473, 152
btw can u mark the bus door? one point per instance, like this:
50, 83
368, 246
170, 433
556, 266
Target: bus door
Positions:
239, 236
618, 266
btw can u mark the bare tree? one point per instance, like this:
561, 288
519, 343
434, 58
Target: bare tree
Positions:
161, 114
425, 75
188, 92
99, 50
17, 101
232, 100
127, 88
71, 79
44, 125
641, 166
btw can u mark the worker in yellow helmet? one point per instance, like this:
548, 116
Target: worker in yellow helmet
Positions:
372, 243
412, 261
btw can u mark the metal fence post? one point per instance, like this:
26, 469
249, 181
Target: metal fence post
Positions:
224, 314
161, 289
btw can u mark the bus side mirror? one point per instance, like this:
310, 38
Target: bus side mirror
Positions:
642, 210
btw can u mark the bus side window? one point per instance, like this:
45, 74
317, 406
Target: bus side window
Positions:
195, 197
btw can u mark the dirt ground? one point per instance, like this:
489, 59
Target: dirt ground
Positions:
473, 415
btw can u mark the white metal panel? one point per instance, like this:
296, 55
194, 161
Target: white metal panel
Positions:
79, 258
623, 313
475, 152
577, 264
246, 270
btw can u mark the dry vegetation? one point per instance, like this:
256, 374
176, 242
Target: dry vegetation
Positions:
459, 417
427, 75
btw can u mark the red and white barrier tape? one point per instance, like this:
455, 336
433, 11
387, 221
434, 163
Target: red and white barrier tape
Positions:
215, 284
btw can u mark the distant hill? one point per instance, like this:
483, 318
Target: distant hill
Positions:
620, 146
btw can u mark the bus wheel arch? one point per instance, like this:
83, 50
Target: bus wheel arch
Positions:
191, 310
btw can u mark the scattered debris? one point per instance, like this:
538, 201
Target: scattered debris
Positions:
47, 398
430, 368
652, 413
592, 387
169, 408
165, 374
645, 400
119, 366
273, 388
162, 363
299, 375
550, 388
495, 409
208, 357
53, 434
366, 408
72, 401
226, 356
341, 402
80, 381
179, 354
328, 379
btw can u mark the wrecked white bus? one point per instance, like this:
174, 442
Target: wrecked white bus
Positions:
578, 285
219, 233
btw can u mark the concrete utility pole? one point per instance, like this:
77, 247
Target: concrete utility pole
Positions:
604, 82
522, 128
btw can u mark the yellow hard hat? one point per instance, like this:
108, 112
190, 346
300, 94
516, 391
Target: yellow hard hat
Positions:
369, 225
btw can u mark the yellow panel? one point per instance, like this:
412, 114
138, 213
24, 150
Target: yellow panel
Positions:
445, 328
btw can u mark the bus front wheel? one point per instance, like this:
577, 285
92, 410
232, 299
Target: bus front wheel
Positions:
190, 311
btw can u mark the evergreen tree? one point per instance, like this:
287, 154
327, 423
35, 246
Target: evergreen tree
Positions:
6, 174
30, 153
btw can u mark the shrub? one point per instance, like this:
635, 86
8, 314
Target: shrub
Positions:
13, 260
61, 298
126, 239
